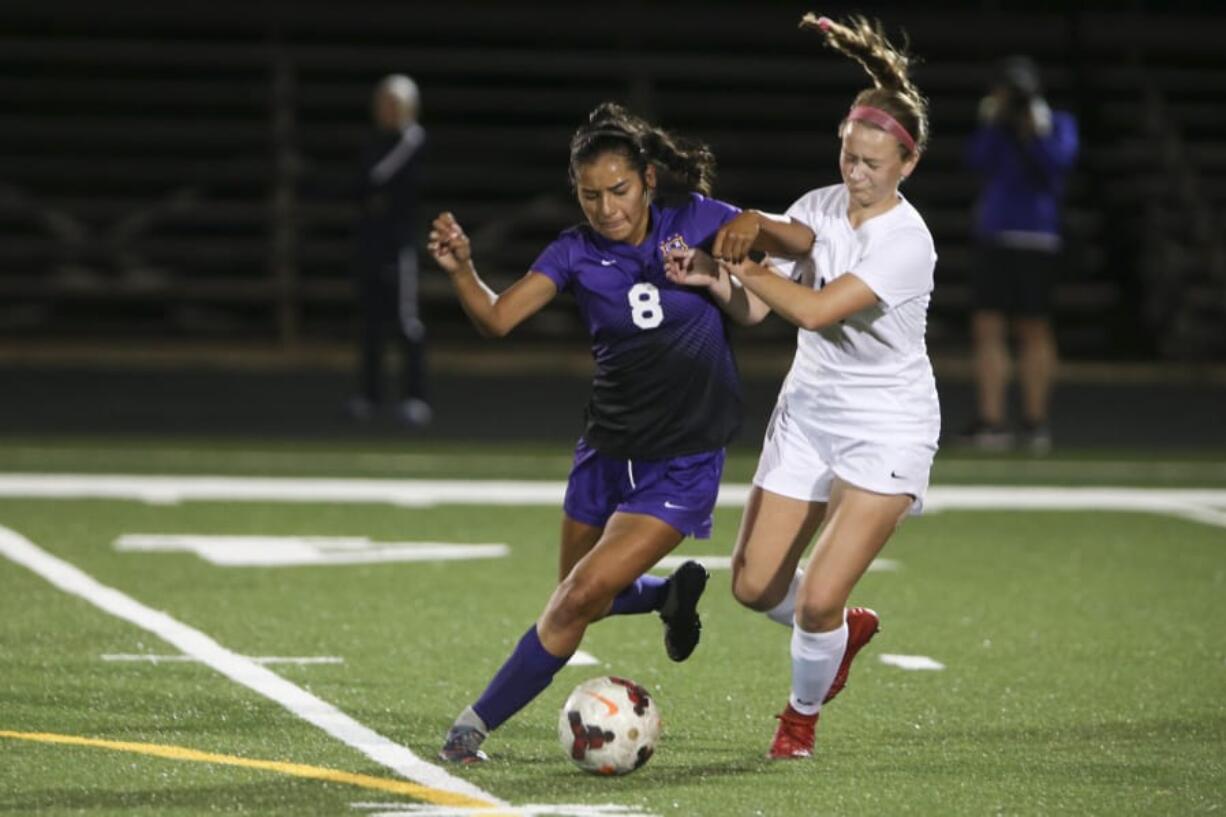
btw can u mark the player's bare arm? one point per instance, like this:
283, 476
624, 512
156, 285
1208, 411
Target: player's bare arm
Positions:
698, 269
493, 314
755, 230
807, 308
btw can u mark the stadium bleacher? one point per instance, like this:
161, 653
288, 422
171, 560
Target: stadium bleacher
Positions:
179, 170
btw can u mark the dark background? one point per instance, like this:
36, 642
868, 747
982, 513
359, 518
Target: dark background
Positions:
175, 231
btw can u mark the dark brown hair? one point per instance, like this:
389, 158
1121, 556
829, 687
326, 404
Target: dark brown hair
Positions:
612, 128
892, 91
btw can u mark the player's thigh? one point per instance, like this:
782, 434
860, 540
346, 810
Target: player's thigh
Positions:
577, 540
859, 523
775, 530
629, 547
791, 488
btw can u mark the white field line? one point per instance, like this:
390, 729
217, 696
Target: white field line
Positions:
529, 810
583, 659
721, 562
1207, 506
281, 551
236, 667
174, 489
263, 660
399, 462
911, 662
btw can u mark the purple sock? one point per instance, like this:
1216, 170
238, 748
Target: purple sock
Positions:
522, 677
643, 596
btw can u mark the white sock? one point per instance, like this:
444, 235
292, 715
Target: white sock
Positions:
815, 662
785, 611
469, 717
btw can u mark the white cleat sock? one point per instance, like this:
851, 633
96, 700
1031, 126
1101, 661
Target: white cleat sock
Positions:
785, 611
815, 662
469, 717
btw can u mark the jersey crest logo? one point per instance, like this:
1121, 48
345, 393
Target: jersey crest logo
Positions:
673, 242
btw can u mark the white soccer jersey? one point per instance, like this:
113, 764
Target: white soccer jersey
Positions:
867, 377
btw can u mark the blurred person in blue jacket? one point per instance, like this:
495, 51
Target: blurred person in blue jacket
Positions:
386, 253
1023, 151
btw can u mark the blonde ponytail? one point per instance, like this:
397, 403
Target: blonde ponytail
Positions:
889, 68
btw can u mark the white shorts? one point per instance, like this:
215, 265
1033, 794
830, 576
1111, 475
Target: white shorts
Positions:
801, 462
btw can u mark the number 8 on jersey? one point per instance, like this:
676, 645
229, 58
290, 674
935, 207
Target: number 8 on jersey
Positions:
645, 308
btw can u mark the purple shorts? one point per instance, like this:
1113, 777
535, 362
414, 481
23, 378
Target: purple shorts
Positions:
680, 491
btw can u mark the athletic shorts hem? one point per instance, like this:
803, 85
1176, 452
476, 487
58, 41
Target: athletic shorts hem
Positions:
585, 519
686, 525
783, 488
892, 489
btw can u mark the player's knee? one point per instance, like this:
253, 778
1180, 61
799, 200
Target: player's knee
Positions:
819, 614
754, 592
578, 600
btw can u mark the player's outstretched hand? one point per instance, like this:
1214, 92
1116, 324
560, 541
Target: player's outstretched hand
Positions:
735, 239
448, 244
745, 268
692, 268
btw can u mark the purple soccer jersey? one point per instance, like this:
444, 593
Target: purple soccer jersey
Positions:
666, 382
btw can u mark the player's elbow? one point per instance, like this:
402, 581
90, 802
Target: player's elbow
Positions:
754, 315
494, 323
494, 329
813, 320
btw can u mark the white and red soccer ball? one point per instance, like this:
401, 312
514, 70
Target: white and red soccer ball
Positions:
609, 726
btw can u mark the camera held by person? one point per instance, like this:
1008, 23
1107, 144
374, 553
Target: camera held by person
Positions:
1016, 100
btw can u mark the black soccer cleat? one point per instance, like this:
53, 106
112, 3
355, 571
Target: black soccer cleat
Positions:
682, 627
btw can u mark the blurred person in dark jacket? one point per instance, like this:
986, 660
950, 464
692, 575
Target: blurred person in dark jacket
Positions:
1023, 151
386, 265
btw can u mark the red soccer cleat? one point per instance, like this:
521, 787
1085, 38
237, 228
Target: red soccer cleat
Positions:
862, 625
795, 735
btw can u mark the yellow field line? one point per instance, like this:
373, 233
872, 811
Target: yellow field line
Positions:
365, 781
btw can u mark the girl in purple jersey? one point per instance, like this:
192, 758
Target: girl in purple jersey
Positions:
849, 448
665, 398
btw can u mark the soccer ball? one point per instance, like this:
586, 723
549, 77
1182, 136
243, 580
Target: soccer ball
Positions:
609, 726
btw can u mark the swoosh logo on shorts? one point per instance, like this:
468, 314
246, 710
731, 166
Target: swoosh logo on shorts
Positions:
673, 507
611, 706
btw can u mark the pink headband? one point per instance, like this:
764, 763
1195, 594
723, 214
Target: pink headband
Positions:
884, 121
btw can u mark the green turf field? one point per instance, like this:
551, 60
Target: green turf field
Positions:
1084, 651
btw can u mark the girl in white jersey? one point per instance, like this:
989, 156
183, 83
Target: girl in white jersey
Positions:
849, 448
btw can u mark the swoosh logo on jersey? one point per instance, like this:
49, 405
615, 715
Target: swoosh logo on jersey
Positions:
673, 507
608, 262
896, 475
612, 707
